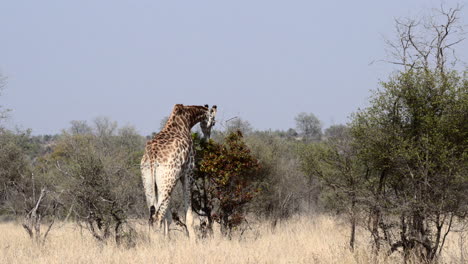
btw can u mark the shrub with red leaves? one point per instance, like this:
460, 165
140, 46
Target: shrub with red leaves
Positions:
225, 180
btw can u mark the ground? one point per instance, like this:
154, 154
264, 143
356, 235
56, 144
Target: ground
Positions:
304, 239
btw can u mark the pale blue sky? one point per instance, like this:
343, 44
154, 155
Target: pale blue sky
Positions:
264, 61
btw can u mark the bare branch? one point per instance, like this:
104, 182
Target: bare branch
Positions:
428, 42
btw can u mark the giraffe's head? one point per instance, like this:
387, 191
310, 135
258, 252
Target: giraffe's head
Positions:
209, 121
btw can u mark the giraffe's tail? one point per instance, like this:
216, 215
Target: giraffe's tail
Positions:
153, 208
151, 218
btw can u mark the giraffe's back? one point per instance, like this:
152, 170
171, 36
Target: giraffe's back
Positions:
167, 147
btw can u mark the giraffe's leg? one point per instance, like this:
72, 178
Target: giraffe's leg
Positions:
167, 222
187, 190
149, 185
166, 180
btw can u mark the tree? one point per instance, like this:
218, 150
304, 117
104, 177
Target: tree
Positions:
15, 170
428, 42
3, 112
238, 124
225, 180
80, 127
25, 192
308, 126
104, 127
336, 131
291, 133
413, 141
403, 162
20, 182
335, 163
284, 186
97, 172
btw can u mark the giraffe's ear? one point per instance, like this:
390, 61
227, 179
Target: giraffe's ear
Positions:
178, 108
207, 106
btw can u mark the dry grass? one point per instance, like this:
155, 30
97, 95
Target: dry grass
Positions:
300, 240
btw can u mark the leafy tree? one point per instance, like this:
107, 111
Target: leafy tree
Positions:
20, 182
284, 186
335, 163
98, 172
238, 124
25, 192
336, 132
291, 133
225, 180
413, 140
80, 127
403, 161
15, 170
308, 126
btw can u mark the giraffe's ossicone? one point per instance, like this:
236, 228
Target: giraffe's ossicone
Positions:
168, 158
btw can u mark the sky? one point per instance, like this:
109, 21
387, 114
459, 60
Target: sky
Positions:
131, 61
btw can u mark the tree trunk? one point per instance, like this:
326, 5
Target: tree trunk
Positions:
352, 238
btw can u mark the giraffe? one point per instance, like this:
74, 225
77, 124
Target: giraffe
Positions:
170, 157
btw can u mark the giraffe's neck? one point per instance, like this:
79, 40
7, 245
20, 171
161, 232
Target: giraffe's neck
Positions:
183, 118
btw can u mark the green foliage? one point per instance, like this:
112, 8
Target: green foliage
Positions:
335, 163
413, 139
402, 162
14, 168
284, 185
416, 131
225, 179
309, 126
13, 158
97, 172
238, 124
20, 180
